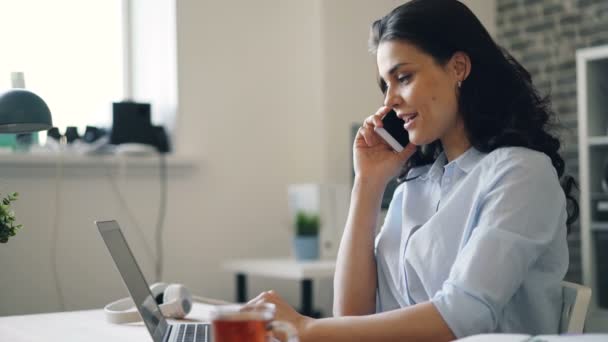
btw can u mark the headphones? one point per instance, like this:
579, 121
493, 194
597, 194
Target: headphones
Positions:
174, 300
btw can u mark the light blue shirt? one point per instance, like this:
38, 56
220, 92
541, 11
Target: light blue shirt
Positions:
483, 238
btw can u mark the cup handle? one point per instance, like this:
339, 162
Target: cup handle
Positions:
285, 327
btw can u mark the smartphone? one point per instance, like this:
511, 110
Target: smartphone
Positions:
393, 131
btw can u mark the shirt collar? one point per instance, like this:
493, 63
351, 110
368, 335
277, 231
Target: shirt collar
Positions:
465, 162
436, 170
469, 159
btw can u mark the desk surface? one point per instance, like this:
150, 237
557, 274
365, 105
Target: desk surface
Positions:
78, 326
91, 325
283, 268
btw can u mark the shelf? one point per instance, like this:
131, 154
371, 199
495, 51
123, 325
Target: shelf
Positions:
51, 164
592, 102
598, 141
599, 226
599, 195
43, 160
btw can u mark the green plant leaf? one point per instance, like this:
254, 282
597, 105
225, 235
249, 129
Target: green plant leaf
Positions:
7, 218
307, 224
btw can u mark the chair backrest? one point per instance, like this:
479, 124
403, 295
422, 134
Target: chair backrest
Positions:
576, 302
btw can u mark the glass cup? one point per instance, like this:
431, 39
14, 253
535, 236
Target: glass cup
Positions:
238, 323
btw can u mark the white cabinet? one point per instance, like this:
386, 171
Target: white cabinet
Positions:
592, 92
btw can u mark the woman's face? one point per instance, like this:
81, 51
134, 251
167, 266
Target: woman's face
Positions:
421, 92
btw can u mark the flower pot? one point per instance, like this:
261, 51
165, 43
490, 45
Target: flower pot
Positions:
306, 247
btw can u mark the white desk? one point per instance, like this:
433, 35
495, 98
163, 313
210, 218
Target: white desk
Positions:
303, 271
91, 325
78, 326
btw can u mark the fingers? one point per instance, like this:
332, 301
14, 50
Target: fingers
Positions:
376, 119
364, 132
264, 297
371, 122
254, 300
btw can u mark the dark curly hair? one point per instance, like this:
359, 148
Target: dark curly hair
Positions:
498, 102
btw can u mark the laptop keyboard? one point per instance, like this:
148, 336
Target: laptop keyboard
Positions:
193, 333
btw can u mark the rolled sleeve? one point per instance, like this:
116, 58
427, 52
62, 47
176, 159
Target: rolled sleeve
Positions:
465, 313
520, 213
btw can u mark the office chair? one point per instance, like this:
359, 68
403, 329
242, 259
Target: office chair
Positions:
576, 302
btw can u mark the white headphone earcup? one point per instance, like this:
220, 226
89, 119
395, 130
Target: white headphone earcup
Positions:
177, 301
158, 292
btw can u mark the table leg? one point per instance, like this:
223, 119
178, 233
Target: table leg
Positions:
241, 287
307, 298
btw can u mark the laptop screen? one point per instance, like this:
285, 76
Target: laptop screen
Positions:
133, 278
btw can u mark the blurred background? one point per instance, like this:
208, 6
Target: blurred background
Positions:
252, 96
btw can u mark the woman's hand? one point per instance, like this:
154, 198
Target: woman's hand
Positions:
284, 312
373, 157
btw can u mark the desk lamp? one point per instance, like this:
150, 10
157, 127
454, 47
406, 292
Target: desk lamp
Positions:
22, 111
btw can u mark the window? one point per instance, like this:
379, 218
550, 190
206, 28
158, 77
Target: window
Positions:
71, 53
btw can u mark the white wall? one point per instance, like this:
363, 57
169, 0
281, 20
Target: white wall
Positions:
267, 91
249, 107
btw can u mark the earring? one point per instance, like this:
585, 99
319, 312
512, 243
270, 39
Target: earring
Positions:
459, 84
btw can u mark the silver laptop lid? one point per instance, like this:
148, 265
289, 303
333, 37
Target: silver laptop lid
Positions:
133, 278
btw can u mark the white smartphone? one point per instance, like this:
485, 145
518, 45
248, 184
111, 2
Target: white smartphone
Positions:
393, 131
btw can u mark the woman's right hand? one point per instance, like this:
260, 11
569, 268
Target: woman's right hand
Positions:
373, 158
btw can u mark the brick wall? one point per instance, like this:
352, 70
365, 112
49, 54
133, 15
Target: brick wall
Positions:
543, 35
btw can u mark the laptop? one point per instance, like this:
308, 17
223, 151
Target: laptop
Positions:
131, 274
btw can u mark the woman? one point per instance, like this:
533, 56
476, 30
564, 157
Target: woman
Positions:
474, 240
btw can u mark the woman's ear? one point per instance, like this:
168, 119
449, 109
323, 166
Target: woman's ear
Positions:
460, 64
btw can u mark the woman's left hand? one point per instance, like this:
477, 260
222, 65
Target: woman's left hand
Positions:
284, 312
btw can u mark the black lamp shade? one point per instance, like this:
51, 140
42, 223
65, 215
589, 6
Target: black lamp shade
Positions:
22, 111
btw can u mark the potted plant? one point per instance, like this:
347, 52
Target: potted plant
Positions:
306, 241
8, 227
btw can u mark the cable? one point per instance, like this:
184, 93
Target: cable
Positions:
55, 229
158, 267
161, 215
125, 206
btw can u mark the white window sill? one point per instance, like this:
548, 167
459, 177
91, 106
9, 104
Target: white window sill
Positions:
20, 163
69, 159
